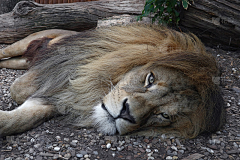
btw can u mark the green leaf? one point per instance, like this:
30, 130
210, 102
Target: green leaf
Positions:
185, 4
176, 13
161, 9
164, 11
169, 9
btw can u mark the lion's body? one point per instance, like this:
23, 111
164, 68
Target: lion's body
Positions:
99, 79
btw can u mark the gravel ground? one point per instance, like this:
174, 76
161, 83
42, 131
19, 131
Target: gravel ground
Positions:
54, 140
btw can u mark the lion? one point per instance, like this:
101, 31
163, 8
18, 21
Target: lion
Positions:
122, 80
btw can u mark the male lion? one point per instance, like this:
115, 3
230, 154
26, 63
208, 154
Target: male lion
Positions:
134, 79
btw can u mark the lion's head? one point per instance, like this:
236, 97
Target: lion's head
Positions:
151, 99
170, 92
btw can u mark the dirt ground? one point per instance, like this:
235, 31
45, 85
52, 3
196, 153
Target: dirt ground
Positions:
55, 140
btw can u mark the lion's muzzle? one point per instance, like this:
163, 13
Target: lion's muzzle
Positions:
124, 113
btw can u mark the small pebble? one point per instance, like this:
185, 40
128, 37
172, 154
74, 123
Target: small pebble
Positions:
113, 154
120, 148
108, 145
174, 148
169, 158
79, 155
57, 149
58, 138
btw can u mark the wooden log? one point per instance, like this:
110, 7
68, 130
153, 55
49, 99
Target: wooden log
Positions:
29, 17
216, 22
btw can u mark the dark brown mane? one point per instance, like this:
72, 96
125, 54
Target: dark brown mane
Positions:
35, 49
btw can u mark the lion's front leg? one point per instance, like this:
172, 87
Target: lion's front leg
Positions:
23, 87
29, 115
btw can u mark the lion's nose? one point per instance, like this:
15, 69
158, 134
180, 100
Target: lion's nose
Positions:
125, 112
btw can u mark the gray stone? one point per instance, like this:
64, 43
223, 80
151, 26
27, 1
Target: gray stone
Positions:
79, 155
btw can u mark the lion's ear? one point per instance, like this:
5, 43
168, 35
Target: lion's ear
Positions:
215, 111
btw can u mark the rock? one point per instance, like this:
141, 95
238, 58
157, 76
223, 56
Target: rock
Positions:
56, 148
56, 156
233, 152
73, 144
79, 155
95, 152
236, 89
181, 151
120, 148
213, 147
135, 143
178, 142
75, 141
46, 154
174, 148
67, 156
175, 157
37, 146
9, 148
113, 154
108, 145
31, 150
58, 138
208, 149
32, 140
83, 152
194, 156
169, 158
141, 150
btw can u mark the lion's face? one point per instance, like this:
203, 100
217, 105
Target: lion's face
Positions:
147, 99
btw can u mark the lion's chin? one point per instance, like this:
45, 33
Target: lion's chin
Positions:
105, 123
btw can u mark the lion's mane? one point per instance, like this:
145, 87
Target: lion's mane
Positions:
78, 71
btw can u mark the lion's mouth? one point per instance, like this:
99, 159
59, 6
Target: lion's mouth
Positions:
104, 121
104, 108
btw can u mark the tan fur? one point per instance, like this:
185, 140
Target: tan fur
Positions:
105, 84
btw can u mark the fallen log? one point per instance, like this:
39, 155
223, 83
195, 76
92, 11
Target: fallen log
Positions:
216, 22
29, 17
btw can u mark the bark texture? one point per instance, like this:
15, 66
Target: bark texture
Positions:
29, 17
216, 22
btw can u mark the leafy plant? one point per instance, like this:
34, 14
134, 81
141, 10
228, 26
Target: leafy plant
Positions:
165, 11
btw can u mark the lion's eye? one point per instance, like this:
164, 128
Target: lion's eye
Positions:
149, 80
165, 115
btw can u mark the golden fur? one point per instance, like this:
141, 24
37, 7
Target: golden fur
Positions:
91, 76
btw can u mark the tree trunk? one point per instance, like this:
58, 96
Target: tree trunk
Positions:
29, 17
216, 22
